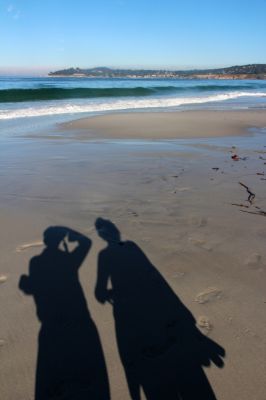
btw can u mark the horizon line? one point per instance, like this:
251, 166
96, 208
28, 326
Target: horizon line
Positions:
45, 70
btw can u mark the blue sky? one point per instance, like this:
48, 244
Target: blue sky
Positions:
46, 34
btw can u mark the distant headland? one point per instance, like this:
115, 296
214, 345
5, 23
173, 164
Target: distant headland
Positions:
250, 71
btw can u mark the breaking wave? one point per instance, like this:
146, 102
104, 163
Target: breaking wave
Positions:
56, 108
56, 93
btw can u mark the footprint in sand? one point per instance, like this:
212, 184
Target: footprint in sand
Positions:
204, 324
2, 342
254, 261
132, 212
198, 221
199, 242
183, 189
210, 294
3, 278
27, 246
178, 275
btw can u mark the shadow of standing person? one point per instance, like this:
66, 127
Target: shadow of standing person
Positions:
160, 347
70, 361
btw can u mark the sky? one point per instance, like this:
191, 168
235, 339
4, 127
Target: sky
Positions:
44, 35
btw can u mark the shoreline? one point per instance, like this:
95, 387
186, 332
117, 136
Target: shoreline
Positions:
168, 125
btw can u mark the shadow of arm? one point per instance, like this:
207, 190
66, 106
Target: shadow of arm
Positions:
25, 284
82, 249
102, 294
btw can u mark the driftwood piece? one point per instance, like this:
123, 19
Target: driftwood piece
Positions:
251, 196
240, 205
261, 212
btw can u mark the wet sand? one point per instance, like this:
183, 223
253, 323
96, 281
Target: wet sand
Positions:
181, 203
170, 125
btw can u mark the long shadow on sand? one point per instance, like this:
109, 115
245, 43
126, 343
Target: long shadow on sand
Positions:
70, 361
160, 347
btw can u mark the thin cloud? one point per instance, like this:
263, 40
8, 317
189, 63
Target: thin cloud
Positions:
13, 11
120, 3
16, 15
10, 8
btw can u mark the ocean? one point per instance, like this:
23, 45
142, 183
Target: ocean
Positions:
62, 99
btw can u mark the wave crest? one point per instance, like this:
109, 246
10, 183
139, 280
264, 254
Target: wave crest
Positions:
116, 105
42, 94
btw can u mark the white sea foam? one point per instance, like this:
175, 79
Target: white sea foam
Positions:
116, 105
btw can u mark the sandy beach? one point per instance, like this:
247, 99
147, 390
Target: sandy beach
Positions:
170, 125
163, 218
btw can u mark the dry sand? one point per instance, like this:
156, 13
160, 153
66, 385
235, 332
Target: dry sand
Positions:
186, 124
174, 200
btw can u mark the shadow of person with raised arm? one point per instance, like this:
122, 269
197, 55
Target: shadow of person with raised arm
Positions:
160, 347
70, 363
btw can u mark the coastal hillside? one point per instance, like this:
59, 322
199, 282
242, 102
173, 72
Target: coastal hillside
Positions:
250, 71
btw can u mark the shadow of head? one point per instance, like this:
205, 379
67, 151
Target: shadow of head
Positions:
107, 230
53, 236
